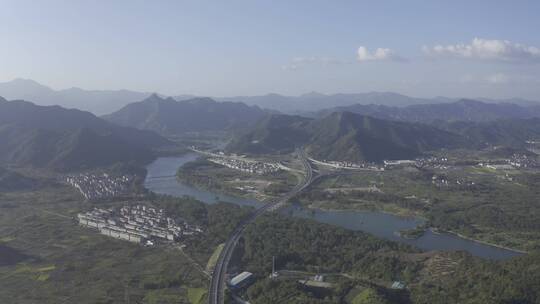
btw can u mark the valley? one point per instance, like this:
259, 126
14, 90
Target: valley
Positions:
393, 210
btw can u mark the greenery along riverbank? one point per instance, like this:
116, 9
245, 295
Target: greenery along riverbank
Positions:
50, 259
496, 207
207, 175
355, 262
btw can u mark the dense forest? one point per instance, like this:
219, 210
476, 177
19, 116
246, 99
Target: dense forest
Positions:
372, 264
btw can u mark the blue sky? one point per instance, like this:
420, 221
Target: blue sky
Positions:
226, 48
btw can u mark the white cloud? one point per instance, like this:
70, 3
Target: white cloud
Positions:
485, 49
363, 54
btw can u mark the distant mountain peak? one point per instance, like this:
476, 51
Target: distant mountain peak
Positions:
313, 94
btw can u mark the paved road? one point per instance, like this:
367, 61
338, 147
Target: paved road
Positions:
217, 284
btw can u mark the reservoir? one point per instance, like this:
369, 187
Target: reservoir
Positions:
161, 179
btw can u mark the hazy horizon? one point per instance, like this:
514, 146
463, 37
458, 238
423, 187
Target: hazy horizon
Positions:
457, 49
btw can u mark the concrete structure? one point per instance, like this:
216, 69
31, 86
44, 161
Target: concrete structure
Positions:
241, 280
398, 285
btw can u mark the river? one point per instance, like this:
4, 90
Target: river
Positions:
161, 178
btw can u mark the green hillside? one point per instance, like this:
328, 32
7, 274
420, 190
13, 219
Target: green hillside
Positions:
344, 136
54, 137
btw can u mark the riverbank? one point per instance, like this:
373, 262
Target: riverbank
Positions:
479, 241
378, 223
408, 214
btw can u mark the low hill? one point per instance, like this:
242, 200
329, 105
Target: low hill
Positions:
51, 136
344, 136
12, 181
462, 110
171, 117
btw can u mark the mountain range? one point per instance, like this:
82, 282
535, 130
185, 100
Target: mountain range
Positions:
59, 138
101, 102
462, 110
344, 136
170, 117
355, 137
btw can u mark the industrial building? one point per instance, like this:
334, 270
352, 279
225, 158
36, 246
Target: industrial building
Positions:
242, 280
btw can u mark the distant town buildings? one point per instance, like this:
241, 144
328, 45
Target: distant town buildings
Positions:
138, 224
347, 165
516, 161
253, 167
99, 186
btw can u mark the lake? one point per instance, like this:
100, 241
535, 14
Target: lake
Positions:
161, 179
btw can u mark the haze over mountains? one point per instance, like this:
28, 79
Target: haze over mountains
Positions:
388, 126
98, 102
462, 110
54, 137
101, 102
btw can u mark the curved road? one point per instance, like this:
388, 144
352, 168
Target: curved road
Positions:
217, 283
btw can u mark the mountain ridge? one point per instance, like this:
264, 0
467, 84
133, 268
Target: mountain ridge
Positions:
64, 139
170, 117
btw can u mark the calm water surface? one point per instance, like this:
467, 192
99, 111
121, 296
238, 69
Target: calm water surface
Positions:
161, 179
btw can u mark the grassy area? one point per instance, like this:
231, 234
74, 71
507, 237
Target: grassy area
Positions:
207, 175
214, 258
63, 263
196, 295
495, 206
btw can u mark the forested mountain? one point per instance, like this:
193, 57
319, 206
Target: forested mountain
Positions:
356, 137
275, 133
350, 136
171, 117
51, 136
502, 132
462, 110
345, 136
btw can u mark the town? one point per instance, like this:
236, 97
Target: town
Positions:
348, 165
254, 167
138, 224
95, 186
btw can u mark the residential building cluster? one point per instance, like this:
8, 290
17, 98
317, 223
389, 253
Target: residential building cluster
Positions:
399, 163
443, 181
138, 223
100, 185
347, 165
516, 161
523, 161
254, 167
433, 162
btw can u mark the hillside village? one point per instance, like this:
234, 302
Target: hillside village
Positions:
95, 186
